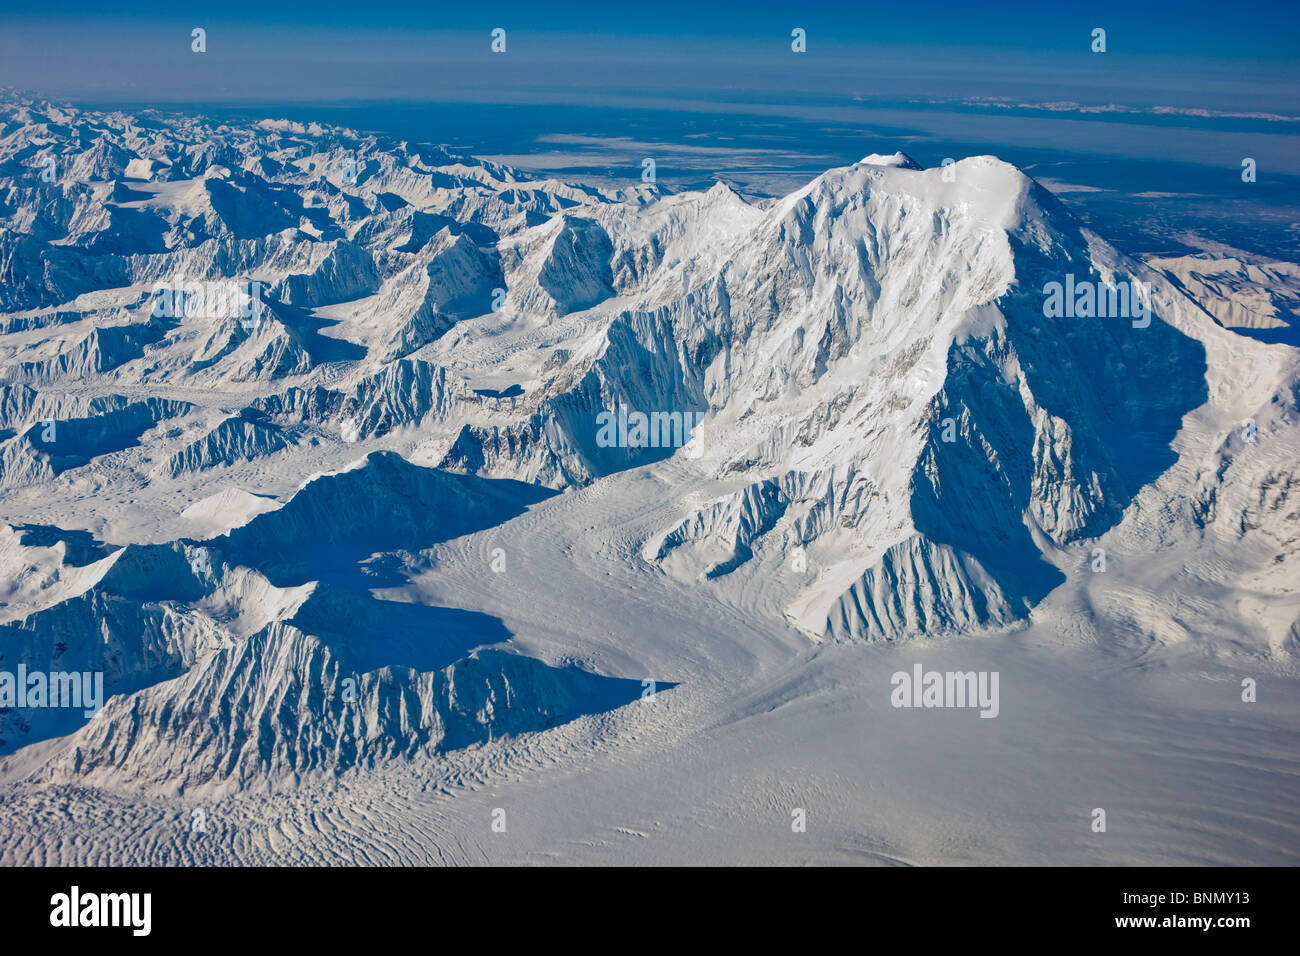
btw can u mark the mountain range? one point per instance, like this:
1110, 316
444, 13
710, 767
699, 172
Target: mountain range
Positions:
359, 519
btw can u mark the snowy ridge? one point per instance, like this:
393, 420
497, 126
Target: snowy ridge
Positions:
894, 438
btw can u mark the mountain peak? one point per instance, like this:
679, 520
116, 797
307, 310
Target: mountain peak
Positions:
899, 160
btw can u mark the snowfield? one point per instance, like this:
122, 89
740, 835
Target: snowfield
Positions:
367, 583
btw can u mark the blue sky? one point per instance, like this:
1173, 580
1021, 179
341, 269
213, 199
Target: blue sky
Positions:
1146, 138
1194, 53
1247, 29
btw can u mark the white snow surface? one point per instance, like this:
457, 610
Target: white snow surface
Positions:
363, 573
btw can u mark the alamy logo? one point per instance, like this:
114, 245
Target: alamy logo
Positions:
180, 299
639, 430
1087, 299
103, 909
56, 689
946, 689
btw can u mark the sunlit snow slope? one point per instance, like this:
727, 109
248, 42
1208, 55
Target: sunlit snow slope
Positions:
334, 523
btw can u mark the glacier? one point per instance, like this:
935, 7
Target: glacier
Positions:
370, 558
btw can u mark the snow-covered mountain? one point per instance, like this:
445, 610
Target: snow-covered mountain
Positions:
255, 381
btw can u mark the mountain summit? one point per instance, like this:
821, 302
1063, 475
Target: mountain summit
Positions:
283, 377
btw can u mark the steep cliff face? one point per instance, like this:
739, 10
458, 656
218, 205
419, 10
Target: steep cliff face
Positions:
890, 375
51, 446
293, 678
283, 703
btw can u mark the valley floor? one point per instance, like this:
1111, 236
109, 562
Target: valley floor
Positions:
751, 721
